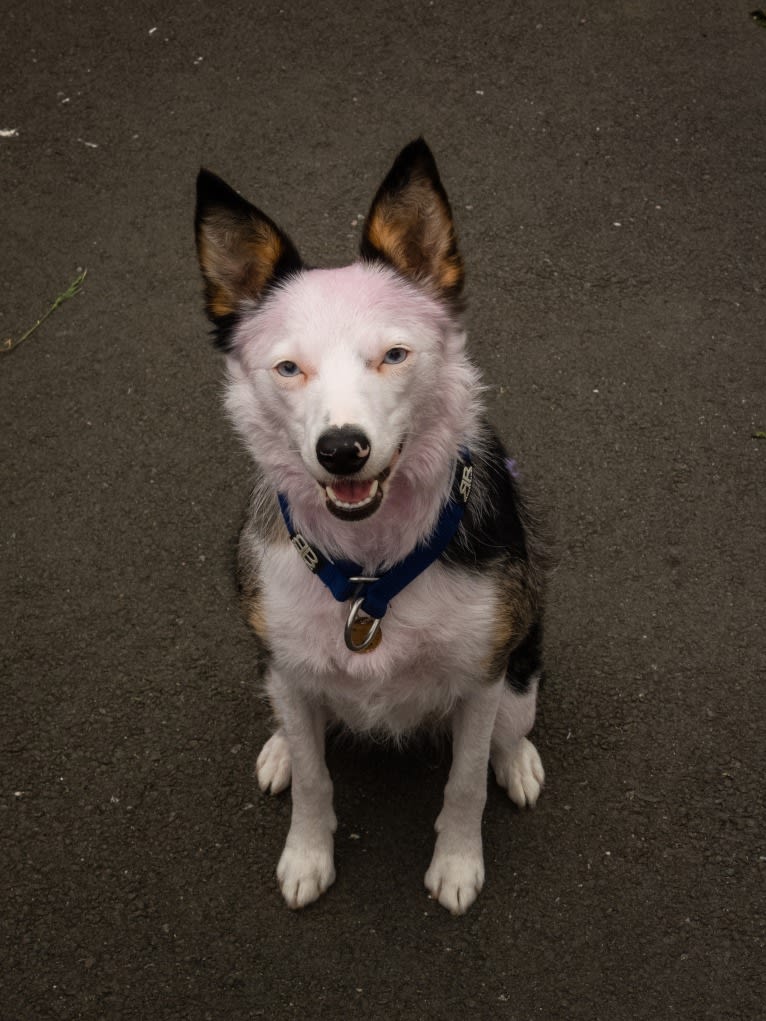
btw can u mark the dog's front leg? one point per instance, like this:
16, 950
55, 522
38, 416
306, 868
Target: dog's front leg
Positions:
456, 874
306, 867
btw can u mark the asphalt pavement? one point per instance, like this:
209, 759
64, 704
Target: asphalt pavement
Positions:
606, 164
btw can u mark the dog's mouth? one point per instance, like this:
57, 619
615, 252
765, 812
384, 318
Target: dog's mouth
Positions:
356, 499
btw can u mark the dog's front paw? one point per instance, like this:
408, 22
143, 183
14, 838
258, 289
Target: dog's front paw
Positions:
455, 878
273, 767
305, 871
520, 772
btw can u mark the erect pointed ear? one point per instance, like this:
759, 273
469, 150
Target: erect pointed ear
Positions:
241, 251
410, 224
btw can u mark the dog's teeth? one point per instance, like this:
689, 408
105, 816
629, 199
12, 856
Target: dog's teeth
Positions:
351, 506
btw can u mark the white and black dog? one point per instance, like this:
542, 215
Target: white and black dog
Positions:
388, 567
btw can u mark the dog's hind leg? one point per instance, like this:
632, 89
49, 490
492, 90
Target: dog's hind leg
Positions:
515, 760
274, 765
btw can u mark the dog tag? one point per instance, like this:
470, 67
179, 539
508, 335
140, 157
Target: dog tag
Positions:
359, 630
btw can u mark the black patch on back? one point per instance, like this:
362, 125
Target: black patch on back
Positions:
492, 537
491, 529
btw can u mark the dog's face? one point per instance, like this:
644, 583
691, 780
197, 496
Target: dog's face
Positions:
333, 373
336, 367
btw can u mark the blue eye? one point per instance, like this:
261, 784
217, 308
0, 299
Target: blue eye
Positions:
395, 356
288, 369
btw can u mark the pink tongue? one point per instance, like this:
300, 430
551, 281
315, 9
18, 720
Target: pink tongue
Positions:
350, 491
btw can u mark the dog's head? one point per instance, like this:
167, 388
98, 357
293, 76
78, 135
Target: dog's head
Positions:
350, 386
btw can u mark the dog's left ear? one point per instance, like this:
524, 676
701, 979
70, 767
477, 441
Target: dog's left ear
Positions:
410, 225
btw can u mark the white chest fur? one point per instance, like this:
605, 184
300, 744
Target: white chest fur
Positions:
435, 636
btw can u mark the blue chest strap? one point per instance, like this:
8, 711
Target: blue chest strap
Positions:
346, 580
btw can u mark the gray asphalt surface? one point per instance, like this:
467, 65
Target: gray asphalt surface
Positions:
606, 167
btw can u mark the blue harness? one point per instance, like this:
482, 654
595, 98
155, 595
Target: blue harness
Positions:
372, 594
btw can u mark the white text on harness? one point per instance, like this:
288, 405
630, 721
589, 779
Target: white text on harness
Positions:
310, 558
466, 482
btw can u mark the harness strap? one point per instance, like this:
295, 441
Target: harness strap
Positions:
345, 579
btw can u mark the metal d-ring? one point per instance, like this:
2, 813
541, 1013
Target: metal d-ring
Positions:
353, 615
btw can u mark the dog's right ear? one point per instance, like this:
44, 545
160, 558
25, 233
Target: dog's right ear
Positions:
410, 225
241, 251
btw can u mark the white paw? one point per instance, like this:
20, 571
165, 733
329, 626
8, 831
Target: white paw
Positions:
305, 871
455, 879
273, 767
520, 773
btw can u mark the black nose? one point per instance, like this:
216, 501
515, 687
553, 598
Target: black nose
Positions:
343, 450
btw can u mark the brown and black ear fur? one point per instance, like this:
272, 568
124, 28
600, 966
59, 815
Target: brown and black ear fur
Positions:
410, 225
242, 253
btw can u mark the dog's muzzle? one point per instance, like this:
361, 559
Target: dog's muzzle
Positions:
356, 499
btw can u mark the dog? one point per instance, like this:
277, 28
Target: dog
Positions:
388, 567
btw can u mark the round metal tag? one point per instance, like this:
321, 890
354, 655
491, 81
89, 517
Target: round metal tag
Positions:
358, 633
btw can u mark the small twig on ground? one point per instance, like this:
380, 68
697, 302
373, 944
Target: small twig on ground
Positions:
10, 345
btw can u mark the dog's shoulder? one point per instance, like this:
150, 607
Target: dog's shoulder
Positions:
495, 527
500, 539
262, 528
